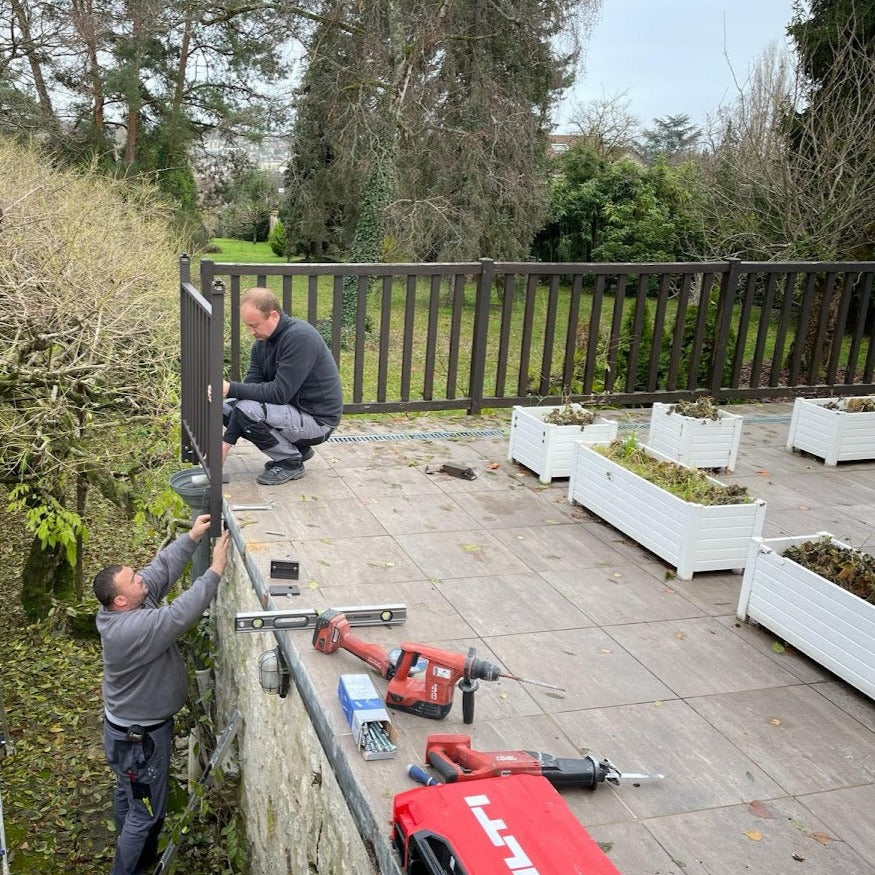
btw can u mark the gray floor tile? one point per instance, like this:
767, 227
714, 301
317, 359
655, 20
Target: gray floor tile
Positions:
404, 514
715, 592
459, 554
761, 460
310, 518
507, 510
621, 593
429, 612
833, 808
368, 482
696, 657
504, 604
787, 657
595, 671
487, 479
702, 768
778, 495
799, 738
728, 841
333, 561
792, 522
851, 701
833, 487
556, 547
632, 849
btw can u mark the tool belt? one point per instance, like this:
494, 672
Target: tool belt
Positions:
136, 732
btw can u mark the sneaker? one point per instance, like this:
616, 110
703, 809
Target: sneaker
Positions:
280, 472
306, 454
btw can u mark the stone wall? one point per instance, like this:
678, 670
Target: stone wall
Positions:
296, 804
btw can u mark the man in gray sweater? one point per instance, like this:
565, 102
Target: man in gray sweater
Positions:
145, 682
290, 398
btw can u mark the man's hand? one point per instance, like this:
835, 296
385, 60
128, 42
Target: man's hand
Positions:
226, 388
199, 528
220, 553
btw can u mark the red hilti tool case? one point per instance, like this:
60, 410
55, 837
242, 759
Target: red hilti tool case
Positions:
518, 825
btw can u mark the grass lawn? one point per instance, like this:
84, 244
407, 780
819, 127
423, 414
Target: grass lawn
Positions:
243, 251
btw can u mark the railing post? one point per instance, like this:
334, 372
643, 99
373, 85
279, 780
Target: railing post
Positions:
480, 334
725, 305
207, 274
186, 450
215, 358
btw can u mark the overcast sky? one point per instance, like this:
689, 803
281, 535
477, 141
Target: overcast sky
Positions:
673, 57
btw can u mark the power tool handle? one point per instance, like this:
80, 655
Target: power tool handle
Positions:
407, 658
467, 704
445, 767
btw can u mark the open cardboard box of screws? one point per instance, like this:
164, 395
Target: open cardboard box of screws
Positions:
367, 717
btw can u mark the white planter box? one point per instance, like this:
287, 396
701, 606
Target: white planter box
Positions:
691, 537
831, 625
833, 435
548, 449
696, 443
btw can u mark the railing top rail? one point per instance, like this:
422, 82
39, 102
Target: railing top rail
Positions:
567, 267
817, 266
197, 297
302, 268
372, 269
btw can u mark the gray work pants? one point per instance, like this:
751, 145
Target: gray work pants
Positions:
287, 428
141, 770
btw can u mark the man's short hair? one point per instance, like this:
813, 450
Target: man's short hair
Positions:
104, 584
264, 300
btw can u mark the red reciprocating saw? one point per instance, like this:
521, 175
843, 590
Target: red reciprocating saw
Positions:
453, 759
428, 693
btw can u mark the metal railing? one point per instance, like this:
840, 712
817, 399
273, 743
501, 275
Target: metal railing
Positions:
474, 335
201, 354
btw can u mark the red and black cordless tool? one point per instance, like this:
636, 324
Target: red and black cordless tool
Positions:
452, 757
428, 693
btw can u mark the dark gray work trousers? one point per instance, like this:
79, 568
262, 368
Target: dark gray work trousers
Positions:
278, 430
141, 770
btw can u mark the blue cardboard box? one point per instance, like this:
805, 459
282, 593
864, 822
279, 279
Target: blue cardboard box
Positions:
365, 713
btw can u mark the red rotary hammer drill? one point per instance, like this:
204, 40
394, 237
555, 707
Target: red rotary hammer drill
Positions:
427, 695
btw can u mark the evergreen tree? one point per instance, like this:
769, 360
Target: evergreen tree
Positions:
452, 100
672, 138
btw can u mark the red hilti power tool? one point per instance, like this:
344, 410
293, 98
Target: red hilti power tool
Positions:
518, 824
453, 759
429, 694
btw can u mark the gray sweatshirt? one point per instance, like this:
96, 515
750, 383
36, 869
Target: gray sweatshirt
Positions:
144, 675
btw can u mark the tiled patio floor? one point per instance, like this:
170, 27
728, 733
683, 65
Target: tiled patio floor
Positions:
769, 759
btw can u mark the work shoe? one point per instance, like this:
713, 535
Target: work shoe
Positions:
306, 454
280, 472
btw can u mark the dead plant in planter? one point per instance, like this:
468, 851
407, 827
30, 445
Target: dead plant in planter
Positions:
689, 484
702, 408
852, 405
570, 414
850, 569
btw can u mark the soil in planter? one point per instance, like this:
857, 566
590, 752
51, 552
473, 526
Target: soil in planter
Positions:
852, 405
689, 484
701, 408
570, 414
852, 570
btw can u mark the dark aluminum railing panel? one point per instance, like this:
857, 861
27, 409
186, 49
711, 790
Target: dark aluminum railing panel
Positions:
201, 357
492, 334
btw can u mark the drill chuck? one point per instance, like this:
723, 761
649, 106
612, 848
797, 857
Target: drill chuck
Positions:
480, 669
